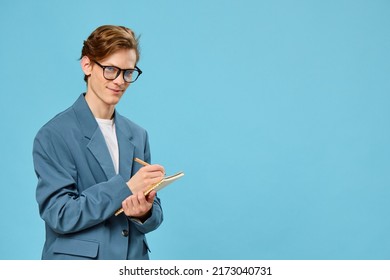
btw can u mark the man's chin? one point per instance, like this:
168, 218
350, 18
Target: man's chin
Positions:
114, 98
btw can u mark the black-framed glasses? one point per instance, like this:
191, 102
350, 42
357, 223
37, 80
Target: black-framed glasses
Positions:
112, 72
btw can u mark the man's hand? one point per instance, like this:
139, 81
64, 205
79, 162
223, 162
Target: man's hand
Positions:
145, 177
138, 205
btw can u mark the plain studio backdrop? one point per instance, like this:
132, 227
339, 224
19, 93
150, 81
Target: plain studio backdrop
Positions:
277, 112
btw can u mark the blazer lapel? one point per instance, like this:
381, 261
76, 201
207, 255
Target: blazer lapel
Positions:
126, 155
126, 148
96, 145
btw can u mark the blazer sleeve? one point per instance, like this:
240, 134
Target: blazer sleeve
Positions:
153, 222
61, 205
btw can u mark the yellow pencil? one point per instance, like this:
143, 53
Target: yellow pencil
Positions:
140, 161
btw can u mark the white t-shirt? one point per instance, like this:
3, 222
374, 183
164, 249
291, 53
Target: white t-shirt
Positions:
108, 129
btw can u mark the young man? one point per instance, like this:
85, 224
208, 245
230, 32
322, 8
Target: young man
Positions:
83, 159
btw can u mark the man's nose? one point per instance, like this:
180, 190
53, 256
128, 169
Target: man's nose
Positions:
119, 80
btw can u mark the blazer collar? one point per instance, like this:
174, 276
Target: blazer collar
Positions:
85, 117
97, 144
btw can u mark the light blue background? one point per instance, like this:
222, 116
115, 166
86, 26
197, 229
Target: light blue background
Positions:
277, 112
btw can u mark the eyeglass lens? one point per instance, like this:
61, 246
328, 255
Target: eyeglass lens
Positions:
111, 73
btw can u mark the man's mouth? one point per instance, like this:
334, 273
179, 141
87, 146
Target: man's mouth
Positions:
116, 90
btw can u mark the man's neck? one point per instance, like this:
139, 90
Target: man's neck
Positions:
99, 109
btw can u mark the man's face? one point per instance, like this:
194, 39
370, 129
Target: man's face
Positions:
106, 92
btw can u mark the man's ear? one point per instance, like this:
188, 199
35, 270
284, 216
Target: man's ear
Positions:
86, 65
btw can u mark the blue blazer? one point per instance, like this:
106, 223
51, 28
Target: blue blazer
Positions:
78, 190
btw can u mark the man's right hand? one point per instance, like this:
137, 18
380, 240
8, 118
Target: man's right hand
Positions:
146, 176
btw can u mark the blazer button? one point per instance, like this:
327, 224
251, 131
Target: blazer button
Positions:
125, 233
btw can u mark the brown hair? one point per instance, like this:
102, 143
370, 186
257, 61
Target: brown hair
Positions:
108, 39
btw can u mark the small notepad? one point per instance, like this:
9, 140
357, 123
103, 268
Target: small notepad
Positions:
164, 182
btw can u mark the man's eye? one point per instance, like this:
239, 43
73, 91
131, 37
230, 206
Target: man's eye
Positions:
129, 73
110, 69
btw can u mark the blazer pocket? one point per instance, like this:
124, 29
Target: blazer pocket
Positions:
76, 247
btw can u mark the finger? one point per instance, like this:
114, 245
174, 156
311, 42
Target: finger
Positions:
143, 205
150, 197
153, 167
141, 198
127, 204
135, 201
155, 174
145, 174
